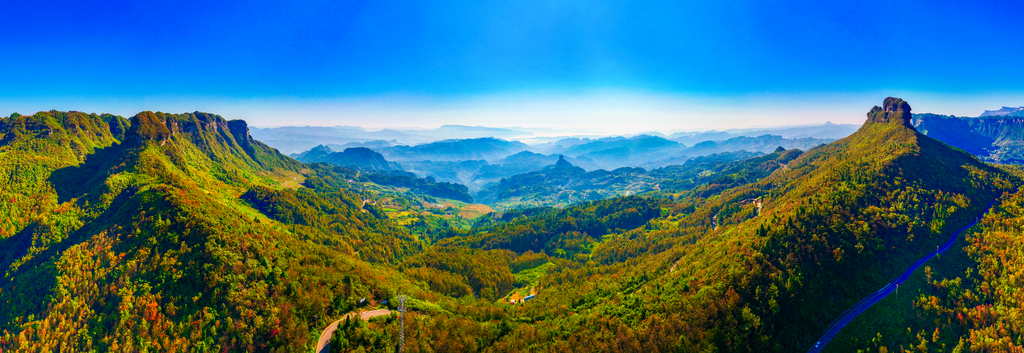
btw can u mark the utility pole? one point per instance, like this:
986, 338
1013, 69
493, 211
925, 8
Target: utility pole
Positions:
897, 291
401, 323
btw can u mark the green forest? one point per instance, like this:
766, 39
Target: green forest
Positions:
180, 233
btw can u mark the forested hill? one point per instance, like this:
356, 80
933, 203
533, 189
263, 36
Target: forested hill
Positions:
860, 209
721, 273
360, 158
852, 214
997, 139
175, 232
178, 232
562, 184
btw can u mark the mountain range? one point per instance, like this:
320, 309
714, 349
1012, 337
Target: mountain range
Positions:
562, 184
295, 139
997, 139
361, 158
1004, 111
181, 232
828, 130
478, 162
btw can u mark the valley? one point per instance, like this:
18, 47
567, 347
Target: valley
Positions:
181, 232
509, 176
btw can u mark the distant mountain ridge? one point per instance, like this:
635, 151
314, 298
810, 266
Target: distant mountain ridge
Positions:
294, 139
828, 130
650, 152
485, 148
360, 158
1004, 111
562, 184
997, 139
477, 162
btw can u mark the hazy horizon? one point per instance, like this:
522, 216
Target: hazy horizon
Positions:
599, 114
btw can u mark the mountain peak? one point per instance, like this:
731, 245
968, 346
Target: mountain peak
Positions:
562, 163
362, 158
322, 149
893, 110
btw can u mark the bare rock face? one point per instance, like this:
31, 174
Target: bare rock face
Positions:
893, 111
202, 128
240, 130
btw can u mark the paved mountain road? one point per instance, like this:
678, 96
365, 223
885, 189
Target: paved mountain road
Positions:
866, 303
324, 344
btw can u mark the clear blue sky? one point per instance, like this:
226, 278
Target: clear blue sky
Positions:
614, 64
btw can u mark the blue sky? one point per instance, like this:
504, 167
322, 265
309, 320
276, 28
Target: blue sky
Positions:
613, 65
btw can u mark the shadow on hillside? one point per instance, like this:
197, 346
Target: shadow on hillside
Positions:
19, 244
70, 182
16, 246
38, 276
41, 284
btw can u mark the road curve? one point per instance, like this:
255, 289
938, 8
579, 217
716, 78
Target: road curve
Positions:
870, 300
324, 344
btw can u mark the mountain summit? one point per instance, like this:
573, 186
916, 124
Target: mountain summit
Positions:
893, 110
359, 157
562, 163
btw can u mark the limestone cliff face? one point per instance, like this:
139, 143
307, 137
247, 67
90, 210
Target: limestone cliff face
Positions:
240, 130
150, 126
893, 110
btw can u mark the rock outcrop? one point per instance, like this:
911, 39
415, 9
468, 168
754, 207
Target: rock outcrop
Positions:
893, 110
562, 163
159, 127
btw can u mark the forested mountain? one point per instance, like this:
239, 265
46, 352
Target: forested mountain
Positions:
169, 235
975, 304
178, 232
361, 158
997, 138
478, 162
562, 183
723, 274
760, 264
475, 174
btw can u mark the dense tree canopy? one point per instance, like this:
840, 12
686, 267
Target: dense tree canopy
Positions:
178, 232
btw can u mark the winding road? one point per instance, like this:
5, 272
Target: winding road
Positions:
866, 303
324, 344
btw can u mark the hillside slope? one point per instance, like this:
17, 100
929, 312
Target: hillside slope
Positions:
178, 232
181, 233
997, 139
721, 273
